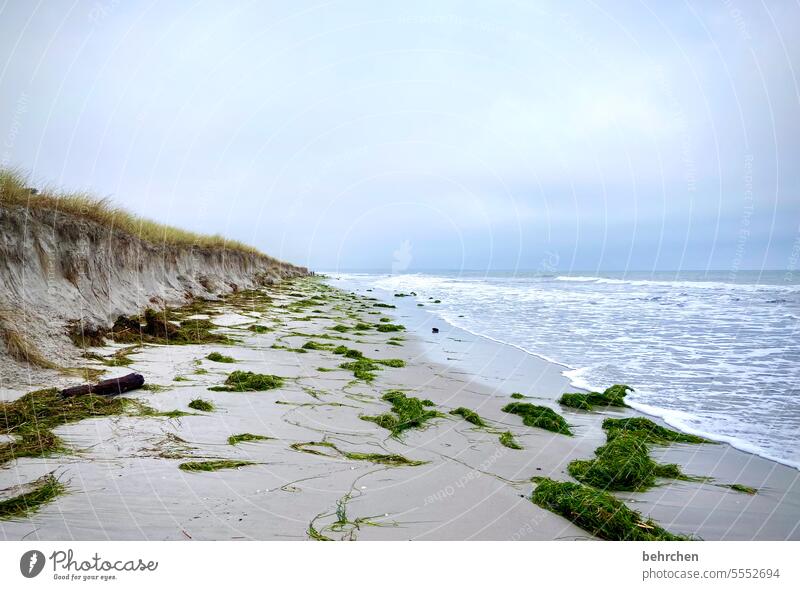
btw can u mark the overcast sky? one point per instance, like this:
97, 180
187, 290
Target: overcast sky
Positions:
479, 135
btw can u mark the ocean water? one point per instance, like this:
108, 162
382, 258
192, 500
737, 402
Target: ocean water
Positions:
710, 353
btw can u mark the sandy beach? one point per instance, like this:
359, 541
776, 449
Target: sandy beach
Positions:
308, 479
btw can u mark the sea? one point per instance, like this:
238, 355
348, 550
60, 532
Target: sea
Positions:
711, 353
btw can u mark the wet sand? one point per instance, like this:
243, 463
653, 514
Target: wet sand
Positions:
124, 481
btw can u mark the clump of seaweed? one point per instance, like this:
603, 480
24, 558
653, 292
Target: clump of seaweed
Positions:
214, 465
259, 329
394, 363
220, 358
623, 463
312, 345
738, 487
235, 439
202, 405
648, 431
392, 459
613, 396
469, 416
409, 412
118, 359
363, 369
158, 328
597, 512
539, 417
348, 352
40, 491
32, 417
384, 327
507, 440
249, 381
385, 305
517, 396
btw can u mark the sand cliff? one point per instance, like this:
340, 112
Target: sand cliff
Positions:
59, 270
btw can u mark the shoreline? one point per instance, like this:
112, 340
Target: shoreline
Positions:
312, 477
720, 461
663, 415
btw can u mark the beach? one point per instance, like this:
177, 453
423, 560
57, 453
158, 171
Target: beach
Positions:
323, 472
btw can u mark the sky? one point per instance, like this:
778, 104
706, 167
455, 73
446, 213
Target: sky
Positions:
413, 136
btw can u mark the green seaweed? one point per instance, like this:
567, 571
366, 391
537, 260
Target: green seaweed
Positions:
312, 345
202, 405
408, 412
31, 418
259, 329
158, 327
214, 465
738, 487
648, 431
539, 417
328, 449
469, 416
613, 396
597, 512
220, 358
249, 381
517, 396
394, 363
622, 464
363, 369
389, 327
40, 492
507, 440
235, 439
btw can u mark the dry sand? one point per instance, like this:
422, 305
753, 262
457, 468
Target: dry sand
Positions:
123, 483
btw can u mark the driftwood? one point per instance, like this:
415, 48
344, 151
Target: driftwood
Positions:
107, 386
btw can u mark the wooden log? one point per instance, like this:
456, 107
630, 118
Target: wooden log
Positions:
107, 386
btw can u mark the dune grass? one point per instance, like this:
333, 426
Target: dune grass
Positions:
613, 396
539, 417
41, 491
15, 191
597, 512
